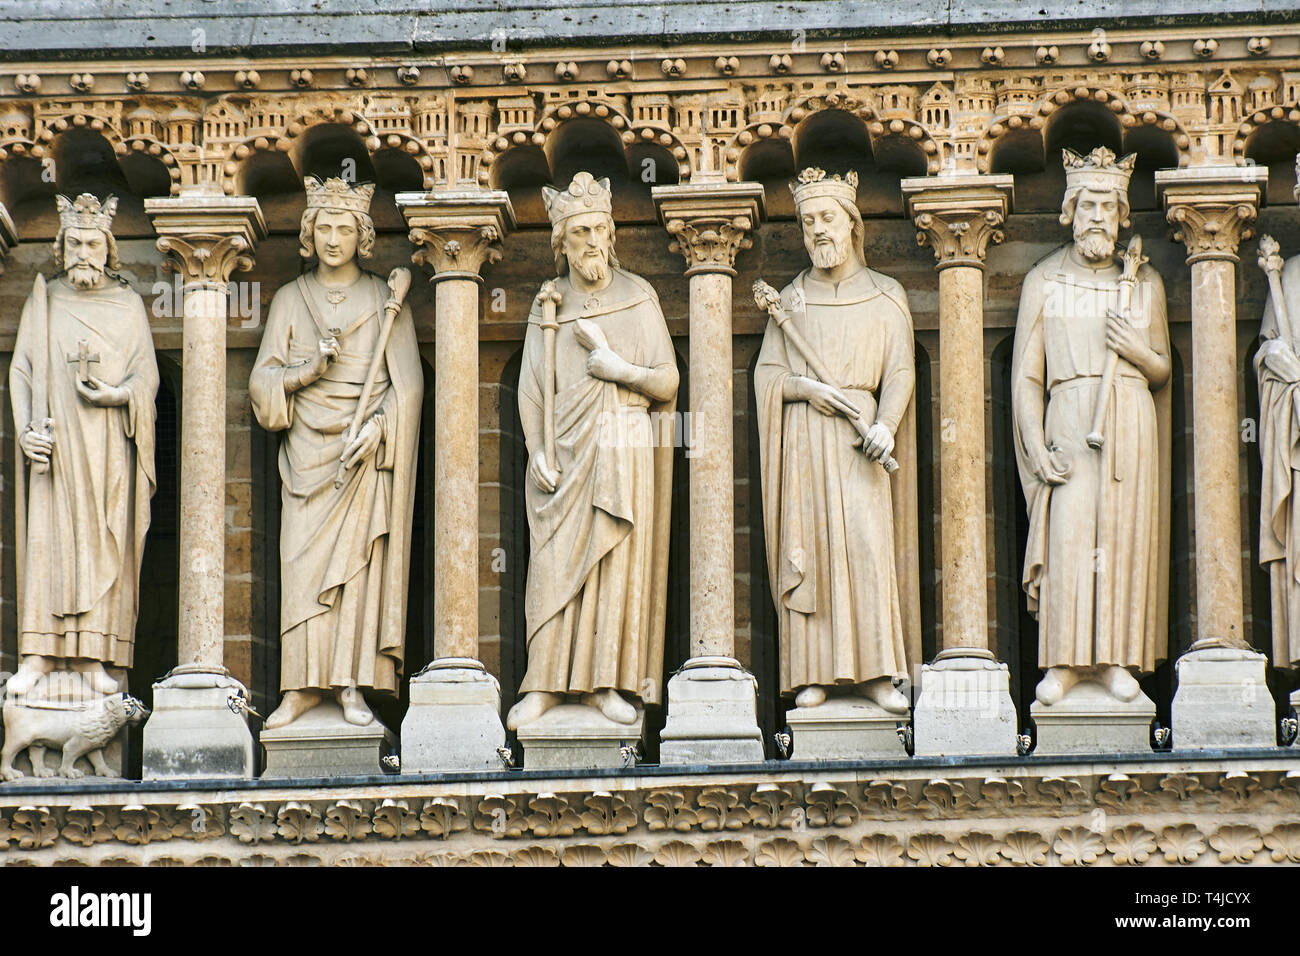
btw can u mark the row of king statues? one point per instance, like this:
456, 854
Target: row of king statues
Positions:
338, 378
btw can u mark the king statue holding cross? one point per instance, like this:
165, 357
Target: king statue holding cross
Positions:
83, 382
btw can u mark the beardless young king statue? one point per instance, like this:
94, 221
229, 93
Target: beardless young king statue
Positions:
338, 376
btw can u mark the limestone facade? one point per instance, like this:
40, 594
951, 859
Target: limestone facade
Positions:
956, 139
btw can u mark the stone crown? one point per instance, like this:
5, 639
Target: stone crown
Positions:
1098, 170
584, 194
337, 195
814, 182
86, 212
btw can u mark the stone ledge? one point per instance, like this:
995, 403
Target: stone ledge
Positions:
1160, 810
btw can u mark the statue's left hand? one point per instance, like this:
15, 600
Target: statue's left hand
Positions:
102, 395
363, 446
1123, 339
608, 365
880, 442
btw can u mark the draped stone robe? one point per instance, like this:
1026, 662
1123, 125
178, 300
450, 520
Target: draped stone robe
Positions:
597, 572
1279, 449
81, 526
841, 534
1096, 569
344, 552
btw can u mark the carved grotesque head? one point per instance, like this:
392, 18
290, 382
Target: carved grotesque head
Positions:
85, 246
1096, 200
336, 225
582, 227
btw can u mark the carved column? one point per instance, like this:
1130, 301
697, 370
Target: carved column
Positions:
965, 703
454, 721
194, 732
712, 709
1222, 700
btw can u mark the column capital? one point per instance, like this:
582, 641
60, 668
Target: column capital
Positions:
710, 222
206, 237
1211, 208
958, 215
457, 230
8, 235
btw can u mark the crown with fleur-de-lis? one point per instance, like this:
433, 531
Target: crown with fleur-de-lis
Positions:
1098, 170
585, 194
86, 212
814, 182
338, 195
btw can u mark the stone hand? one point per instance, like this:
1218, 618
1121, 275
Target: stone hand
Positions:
542, 474
590, 335
825, 398
1281, 360
37, 445
606, 364
880, 442
1050, 466
1124, 341
99, 393
363, 446
327, 350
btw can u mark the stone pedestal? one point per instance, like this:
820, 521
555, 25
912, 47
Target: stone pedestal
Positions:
964, 707
194, 732
1088, 720
846, 728
321, 743
577, 737
1222, 700
712, 715
454, 721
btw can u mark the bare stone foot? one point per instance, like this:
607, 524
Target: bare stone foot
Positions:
810, 696
355, 709
295, 704
1054, 684
1120, 684
610, 703
883, 692
32, 669
96, 677
534, 704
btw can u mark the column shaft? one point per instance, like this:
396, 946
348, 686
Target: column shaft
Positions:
961, 457
1214, 421
455, 518
712, 482
201, 639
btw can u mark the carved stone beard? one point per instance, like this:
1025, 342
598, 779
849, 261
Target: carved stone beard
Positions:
1095, 243
593, 268
85, 275
829, 253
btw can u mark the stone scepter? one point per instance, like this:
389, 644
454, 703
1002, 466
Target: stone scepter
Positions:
1133, 260
1270, 260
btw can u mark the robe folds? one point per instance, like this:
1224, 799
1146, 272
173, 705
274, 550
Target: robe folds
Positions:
81, 526
841, 532
597, 572
344, 552
1279, 449
1096, 569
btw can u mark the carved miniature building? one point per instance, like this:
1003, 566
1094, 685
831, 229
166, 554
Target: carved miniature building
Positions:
955, 143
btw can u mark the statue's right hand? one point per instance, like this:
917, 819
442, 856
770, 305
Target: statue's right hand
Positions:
327, 350
36, 444
1050, 466
826, 398
542, 474
1281, 360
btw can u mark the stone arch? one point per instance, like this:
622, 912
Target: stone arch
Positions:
1020, 130
1271, 138
548, 135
